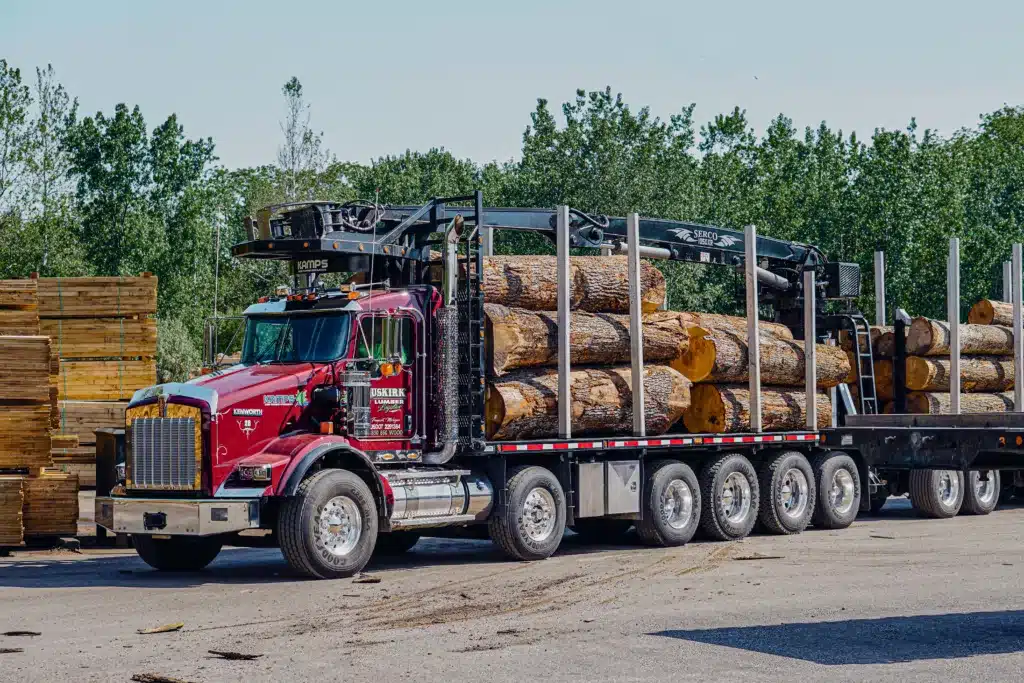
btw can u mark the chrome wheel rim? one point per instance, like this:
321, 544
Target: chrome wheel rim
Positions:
539, 515
339, 526
948, 487
677, 504
735, 498
795, 493
984, 491
840, 494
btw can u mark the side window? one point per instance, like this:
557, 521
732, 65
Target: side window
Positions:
403, 327
371, 338
380, 337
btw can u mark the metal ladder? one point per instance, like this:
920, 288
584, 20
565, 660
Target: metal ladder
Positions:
865, 362
471, 338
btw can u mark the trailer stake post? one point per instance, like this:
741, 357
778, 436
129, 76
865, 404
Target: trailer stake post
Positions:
636, 339
1018, 334
879, 287
564, 299
1007, 282
753, 333
810, 351
953, 315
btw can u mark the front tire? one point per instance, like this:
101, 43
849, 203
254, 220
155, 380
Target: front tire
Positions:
328, 529
938, 494
981, 496
730, 497
178, 553
838, 483
671, 505
530, 527
787, 494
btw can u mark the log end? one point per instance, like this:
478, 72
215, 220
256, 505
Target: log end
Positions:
697, 362
706, 414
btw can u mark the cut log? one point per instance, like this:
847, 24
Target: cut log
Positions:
938, 403
101, 337
711, 321
846, 339
991, 312
104, 380
520, 338
25, 366
12, 500
977, 373
717, 408
928, 337
883, 380
25, 436
83, 418
720, 355
599, 283
524, 403
97, 297
51, 504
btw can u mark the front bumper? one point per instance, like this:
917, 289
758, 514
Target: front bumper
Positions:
177, 517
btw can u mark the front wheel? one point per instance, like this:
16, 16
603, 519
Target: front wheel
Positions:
178, 553
328, 529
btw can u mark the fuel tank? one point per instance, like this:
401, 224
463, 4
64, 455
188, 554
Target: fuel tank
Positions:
431, 498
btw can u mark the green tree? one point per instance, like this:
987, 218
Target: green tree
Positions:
15, 134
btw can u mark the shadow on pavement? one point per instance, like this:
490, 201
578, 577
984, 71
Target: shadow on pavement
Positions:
875, 641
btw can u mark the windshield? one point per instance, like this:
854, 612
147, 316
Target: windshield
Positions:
298, 339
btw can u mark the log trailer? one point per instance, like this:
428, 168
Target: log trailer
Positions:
355, 423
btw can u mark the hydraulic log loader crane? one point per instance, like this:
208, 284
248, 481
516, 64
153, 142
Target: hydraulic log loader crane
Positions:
354, 422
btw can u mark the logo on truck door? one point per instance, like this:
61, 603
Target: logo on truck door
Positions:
388, 399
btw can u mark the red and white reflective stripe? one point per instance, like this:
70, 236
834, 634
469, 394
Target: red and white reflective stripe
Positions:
649, 443
558, 446
764, 438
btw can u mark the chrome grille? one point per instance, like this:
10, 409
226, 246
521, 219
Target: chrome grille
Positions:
163, 453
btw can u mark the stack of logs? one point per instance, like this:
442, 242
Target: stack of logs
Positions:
986, 362
680, 349
104, 332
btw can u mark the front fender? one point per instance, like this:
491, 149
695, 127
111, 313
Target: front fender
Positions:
308, 456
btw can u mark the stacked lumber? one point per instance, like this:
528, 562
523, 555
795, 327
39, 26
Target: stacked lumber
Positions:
51, 504
25, 407
19, 311
679, 348
12, 529
105, 335
986, 363
24, 436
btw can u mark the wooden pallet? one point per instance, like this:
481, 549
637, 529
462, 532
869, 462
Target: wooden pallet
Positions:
97, 297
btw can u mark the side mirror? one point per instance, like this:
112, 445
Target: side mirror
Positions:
329, 398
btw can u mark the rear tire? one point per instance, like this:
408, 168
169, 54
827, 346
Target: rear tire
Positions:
531, 526
671, 505
178, 553
601, 529
981, 497
328, 529
938, 494
787, 494
730, 497
838, 482
395, 543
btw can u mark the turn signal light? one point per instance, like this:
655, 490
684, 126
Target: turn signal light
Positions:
326, 427
353, 295
387, 369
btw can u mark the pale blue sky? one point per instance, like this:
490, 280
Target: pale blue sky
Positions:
386, 76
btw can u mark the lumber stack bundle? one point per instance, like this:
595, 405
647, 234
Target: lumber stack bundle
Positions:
12, 529
51, 504
19, 310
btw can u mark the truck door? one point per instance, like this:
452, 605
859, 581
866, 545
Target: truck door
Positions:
389, 340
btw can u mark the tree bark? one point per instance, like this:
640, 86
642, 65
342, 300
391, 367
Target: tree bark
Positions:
519, 338
883, 380
991, 312
716, 408
524, 404
931, 338
720, 355
599, 283
977, 373
937, 403
731, 322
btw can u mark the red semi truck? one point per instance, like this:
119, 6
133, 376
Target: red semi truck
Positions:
354, 421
